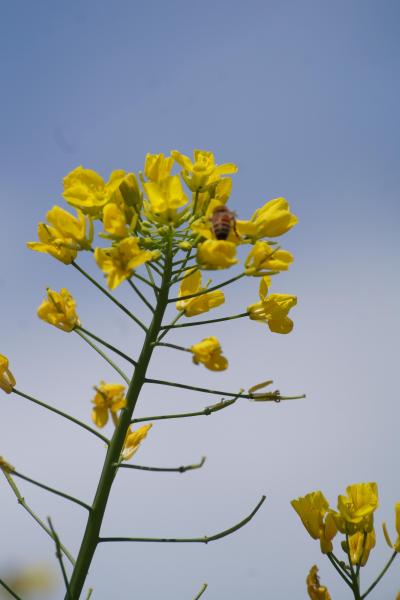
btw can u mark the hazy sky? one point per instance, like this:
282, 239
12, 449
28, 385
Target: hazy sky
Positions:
304, 97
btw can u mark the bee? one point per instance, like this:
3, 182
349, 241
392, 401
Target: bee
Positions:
221, 222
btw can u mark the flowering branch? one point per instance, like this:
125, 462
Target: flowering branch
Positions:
274, 396
201, 592
182, 469
103, 355
110, 296
9, 590
239, 316
60, 557
62, 414
52, 490
206, 412
210, 289
21, 502
377, 580
107, 345
203, 540
141, 296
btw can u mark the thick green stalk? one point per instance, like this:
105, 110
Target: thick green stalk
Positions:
91, 535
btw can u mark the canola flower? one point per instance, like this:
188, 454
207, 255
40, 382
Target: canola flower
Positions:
159, 232
354, 519
315, 590
7, 379
109, 399
209, 353
59, 309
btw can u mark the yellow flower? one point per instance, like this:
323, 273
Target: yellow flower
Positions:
119, 261
59, 310
70, 227
273, 309
209, 353
51, 242
165, 197
7, 379
360, 545
114, 221
133, 440
313, 509
357, 508
263, 258
87, 190
271, 220
158, 167
395, 546
315, 590
203, 170
216, 254
109, 397
191, 284
5, 466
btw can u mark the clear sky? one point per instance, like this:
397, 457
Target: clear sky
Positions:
304, 97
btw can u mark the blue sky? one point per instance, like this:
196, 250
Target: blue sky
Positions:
304, 97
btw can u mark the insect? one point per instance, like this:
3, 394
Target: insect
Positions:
221, 222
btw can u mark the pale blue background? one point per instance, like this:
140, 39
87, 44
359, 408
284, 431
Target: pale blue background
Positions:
304, 97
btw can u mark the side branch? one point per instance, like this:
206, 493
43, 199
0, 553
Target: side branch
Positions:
21, 502
201, 592
59, 557
9, 590
239, 316
203, 540
206, 412
211, 289
52, 490
107, 345
110, 296
62, 414
182, 469
272, 397
103, 355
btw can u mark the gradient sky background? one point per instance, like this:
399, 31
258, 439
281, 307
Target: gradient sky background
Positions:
304, 97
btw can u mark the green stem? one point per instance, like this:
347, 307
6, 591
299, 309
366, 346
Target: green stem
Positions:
182, 469
174, 320
91, 536
274, 398
153, 283
90, 592
9, 590
106, 344
206, 412
239, 316
377, 580
201, 592
103, 355
144, 280
52, 490
110, 296
203, 540
156, 269
21, 502
141, 296
211, 289
62, 414
59, 557
173, 346
335, 563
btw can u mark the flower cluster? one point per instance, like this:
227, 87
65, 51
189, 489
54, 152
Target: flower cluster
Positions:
354, 518
133, 216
